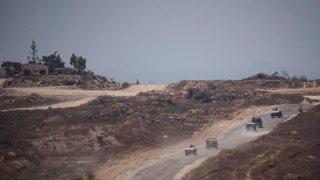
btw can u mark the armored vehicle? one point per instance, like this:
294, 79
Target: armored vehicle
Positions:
211, 143
257, 121
251, 127
191, 150
276, 113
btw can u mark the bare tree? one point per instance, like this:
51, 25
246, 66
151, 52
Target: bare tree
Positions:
34, 57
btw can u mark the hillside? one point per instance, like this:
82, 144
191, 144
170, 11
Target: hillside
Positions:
290, 151
67, 142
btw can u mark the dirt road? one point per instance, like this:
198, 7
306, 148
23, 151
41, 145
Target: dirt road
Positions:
67, 91
77, 97
313, 97
2, 81
131, 164
170, 162
293, 90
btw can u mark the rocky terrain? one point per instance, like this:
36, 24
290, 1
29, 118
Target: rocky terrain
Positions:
88, 81
64, 143
10, 102
290, 151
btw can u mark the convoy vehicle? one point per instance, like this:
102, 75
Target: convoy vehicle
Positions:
300, 109
276, 113
257, 120
211, 143
191, 150
251, 127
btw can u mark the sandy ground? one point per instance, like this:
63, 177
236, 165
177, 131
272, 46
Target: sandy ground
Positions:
313, 97
2, 81
57, 105
293, 91
66, 91
77, 97
128, 166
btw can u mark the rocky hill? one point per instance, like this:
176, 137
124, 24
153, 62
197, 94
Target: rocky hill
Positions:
62, 143
81, 81
290, 151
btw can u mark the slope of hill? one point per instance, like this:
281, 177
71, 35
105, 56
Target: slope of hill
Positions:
290, 151
59, 143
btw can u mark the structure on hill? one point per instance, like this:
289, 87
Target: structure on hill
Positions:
34, 69
3, 72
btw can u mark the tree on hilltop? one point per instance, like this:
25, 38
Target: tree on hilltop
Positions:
12, 68
79, 63
53, 61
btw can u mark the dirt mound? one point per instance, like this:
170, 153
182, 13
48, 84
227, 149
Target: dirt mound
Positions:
233, 92
8, 102
82, 81
265, 76
298, 91
291, 150
246, 84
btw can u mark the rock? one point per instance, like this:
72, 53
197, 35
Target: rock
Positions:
152, 121
311, 157
20, 164
12, 154
103, 142
165, 136
193, 111
113, 141
291, 176
294, 132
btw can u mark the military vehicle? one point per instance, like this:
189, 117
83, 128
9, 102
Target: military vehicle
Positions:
191, 150
276, 113
251, 127
211, 143
257, 120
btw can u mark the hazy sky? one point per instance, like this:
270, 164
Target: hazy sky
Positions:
168, 40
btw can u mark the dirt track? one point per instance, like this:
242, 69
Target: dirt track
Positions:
2, 81
66, 91
130, 165
170, 162
293, 91
290, 151
77, 97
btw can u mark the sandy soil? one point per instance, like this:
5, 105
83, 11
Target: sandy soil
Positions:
313, 97
77, 97
292, 91
57, 105
67, 91
2, 81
